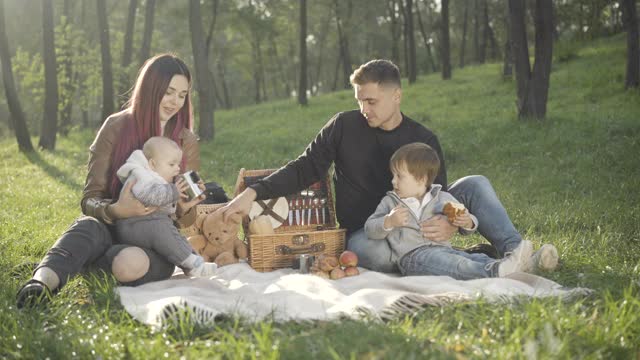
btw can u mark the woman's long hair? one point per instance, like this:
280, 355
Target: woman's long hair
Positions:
143, 106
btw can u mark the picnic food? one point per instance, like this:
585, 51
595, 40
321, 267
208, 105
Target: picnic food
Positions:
329, 267
261, 225
351, 271
219, 240
348, 259
337, 273
452, 210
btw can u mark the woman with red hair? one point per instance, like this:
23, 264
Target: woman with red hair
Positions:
160, 105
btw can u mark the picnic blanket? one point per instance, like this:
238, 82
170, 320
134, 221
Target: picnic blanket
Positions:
282, 295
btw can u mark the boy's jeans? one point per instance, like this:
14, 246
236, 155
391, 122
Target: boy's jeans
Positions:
445, 261
477, 195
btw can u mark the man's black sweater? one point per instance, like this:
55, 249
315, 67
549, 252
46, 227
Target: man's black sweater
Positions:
361, 156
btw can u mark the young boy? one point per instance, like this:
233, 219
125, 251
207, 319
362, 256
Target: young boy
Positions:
415, 198
154, 169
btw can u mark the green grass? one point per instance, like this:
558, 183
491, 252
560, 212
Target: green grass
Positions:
571, 180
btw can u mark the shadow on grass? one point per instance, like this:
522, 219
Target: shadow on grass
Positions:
60, 176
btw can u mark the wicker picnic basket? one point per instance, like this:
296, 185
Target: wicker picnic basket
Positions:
319, 235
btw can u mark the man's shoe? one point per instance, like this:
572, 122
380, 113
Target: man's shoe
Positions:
545, 259
517, 260
32, 294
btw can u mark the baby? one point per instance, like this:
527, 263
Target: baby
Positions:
154, 169
414, 199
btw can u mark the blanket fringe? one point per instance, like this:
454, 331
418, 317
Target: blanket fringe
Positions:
412, 303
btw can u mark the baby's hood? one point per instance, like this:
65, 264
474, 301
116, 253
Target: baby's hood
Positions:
136, 161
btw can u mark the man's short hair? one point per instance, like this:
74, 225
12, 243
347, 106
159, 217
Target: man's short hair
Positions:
419, 159
382, 72
156, 143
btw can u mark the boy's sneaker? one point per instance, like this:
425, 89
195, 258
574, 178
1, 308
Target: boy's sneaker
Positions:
517, 260
545, 259
205, 270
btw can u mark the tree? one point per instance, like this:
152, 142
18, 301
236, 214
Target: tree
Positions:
630, 15
145, 49
444, 46
533, 86
464, 34
411, 41
302, 87
203, 75
50, 115
507, 66
105, 52
127, 49
343, 43
394, 29
66, 76
19, 123
426, 41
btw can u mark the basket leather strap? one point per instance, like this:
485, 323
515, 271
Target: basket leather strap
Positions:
267, 209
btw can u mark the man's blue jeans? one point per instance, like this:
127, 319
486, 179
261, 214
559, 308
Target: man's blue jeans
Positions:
477, 195
445, 261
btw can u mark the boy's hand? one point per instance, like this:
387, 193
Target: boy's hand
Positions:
464, 221
399, 216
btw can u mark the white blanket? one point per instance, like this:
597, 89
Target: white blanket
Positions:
282, 295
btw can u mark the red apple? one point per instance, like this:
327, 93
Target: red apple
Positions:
348, 259
351, 271
337, 273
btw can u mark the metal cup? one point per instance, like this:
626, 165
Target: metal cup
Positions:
192, 178
305, 261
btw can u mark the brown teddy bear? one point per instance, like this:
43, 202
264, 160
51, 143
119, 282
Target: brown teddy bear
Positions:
219, 240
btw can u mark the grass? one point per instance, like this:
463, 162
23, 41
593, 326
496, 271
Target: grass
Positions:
570, 180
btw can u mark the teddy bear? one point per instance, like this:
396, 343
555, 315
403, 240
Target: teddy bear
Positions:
219, 241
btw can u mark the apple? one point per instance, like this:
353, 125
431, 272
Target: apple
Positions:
337, 273
351, 271
348, 259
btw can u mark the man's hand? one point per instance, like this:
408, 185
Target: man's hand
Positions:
438, 229
184, 204
399, 216
241, 204
128, 206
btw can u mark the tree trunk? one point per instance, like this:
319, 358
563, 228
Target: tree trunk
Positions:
127, 51
344, 44
411, 42
425, 39
323, 41
203, 75
302, 87
145, 49
630, 15
50, 115
476, 31
464, 34
405, 40
105, 50
17, 119
507, 67
70, 75
482, 50
533, 86
445, 47
395, 33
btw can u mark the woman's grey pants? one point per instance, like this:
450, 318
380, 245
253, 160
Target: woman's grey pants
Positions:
90, 243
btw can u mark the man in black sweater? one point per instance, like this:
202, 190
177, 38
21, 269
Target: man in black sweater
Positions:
360, 143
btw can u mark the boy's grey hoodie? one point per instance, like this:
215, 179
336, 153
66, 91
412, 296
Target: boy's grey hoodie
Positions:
404, 239
150, 188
